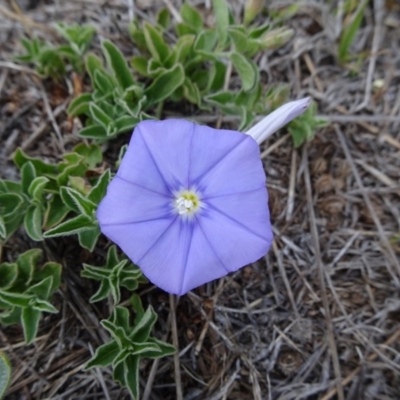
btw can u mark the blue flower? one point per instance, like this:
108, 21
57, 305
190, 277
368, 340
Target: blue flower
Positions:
189, 203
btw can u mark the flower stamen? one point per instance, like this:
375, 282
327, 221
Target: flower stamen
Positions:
186, 203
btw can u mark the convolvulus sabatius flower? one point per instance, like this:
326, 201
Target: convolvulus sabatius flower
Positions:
189, 203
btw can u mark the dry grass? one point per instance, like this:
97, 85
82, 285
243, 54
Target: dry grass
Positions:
319, 318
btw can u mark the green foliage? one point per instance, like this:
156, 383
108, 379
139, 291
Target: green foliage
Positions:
211, 68
116, 273
25, 290
5, 373
50, 60
303, 128
129, 344
350, 29
48, 194
192, 69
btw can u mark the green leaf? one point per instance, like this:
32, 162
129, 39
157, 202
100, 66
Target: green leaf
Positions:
191, 17
8, 275
216, 78
93, 132
121, 317
131, 375
99, 115
10, 204
221, 12
117, 332
239, 39
143, 327
122, 356
349, 32
206, 41
33, 223
191, 92
165, 349
91, 152
93, 63
163, 18
126, 124
102, 292
77, 201
99, 190
118, 65
11, 316
74, 225
103, 82
44, 306
5, 373
3, 230
56, 211
88, 238
42, 289
246, 69
104, 355
119, 374
183, 29
221, 98
164, 85
80, 105
28, 174
30, 323
41, 168
53, 270
36, 188
26, 265
138, 307
139, 63
182, 49
96, 273
155, 43
15, 299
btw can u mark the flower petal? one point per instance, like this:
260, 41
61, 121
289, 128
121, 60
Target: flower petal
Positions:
136, 239
235, 244
168, 143
248, 209
126, 202
239, 170
208, 147
181, 259
278, 118
137, 166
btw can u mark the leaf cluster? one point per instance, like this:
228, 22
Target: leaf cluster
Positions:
192, 66
49, 194
354, 17
303, 128
129, 344
25, 290
50, 60
115, 274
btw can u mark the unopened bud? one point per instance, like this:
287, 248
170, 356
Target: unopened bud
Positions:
276, 38
252, 9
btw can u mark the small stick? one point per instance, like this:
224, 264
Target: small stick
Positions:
175, 342
292, 184
379, 9
320, 268
273, 147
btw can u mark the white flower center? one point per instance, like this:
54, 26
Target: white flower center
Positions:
187, 203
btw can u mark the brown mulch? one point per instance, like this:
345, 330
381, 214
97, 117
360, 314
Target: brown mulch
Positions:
319, 317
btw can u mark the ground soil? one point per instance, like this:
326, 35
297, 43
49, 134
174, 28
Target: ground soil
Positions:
319, 316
